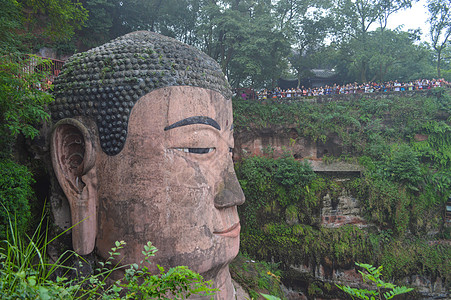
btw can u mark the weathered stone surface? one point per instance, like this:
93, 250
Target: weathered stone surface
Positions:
47, 52
240, 292
421, 137
272, 142
291, 294
276, 141
338, 167
341, 210
425, 288
435, 289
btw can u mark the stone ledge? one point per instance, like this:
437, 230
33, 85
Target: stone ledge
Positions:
335, 167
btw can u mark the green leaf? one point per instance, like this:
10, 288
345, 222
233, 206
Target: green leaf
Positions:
269, 297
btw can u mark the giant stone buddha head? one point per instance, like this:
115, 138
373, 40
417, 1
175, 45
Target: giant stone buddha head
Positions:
141, 147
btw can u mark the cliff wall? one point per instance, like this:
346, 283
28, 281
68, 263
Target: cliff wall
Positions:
365, 203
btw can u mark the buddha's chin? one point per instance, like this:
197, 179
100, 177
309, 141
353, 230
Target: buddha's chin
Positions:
220, 263
223, 282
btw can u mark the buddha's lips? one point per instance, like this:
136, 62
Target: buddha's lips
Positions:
233, 231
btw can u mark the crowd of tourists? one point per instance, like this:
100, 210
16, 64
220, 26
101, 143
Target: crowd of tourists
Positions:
351, 88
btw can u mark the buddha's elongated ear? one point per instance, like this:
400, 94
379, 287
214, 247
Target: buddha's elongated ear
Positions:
73, 158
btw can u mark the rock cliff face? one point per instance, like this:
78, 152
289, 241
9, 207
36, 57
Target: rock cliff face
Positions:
341, 210
338, 208
276, 141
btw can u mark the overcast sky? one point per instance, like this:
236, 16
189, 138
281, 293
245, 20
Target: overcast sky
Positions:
413, 18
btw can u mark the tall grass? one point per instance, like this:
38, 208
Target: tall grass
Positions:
26, 273
24, 268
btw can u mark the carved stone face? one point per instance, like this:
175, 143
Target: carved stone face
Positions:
143, 153
173, 183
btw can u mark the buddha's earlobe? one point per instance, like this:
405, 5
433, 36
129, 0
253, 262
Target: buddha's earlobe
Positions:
73, 158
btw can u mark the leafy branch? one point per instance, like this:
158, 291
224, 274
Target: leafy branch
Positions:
373, 275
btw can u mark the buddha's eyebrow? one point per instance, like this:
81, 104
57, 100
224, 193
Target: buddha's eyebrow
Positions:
194, 120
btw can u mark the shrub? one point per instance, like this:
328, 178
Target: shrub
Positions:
25, 273
403, 165
290, 172
273, 184
15, 193
23, 102
256, 277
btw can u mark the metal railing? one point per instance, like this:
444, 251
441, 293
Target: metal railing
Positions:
52, 68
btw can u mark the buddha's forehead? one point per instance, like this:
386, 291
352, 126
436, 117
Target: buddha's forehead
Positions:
106, 82
170, 105
185, 102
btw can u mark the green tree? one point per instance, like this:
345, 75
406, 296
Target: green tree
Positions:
10, 22
388, 55
110, 19
56, 19
308, 25
23, 95
440, 31
243, 38
353, 21
393, 50
260, 57
99, 24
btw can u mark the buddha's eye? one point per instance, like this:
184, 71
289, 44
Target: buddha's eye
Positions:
230, 149
196, 150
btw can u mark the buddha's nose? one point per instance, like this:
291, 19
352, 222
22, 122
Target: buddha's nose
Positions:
229, 192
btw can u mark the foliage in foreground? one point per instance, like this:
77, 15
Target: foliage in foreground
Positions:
25, 273
256, 277
269, 297
373, 275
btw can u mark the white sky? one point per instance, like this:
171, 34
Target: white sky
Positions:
413, 18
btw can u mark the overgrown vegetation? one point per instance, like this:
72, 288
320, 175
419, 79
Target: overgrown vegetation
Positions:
23, 100
256, 277
26, 273
404, 146
364, 125
273, 185
15, 193
22, 107
383, 289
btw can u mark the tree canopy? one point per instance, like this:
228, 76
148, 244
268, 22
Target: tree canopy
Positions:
256, 42
440, 31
